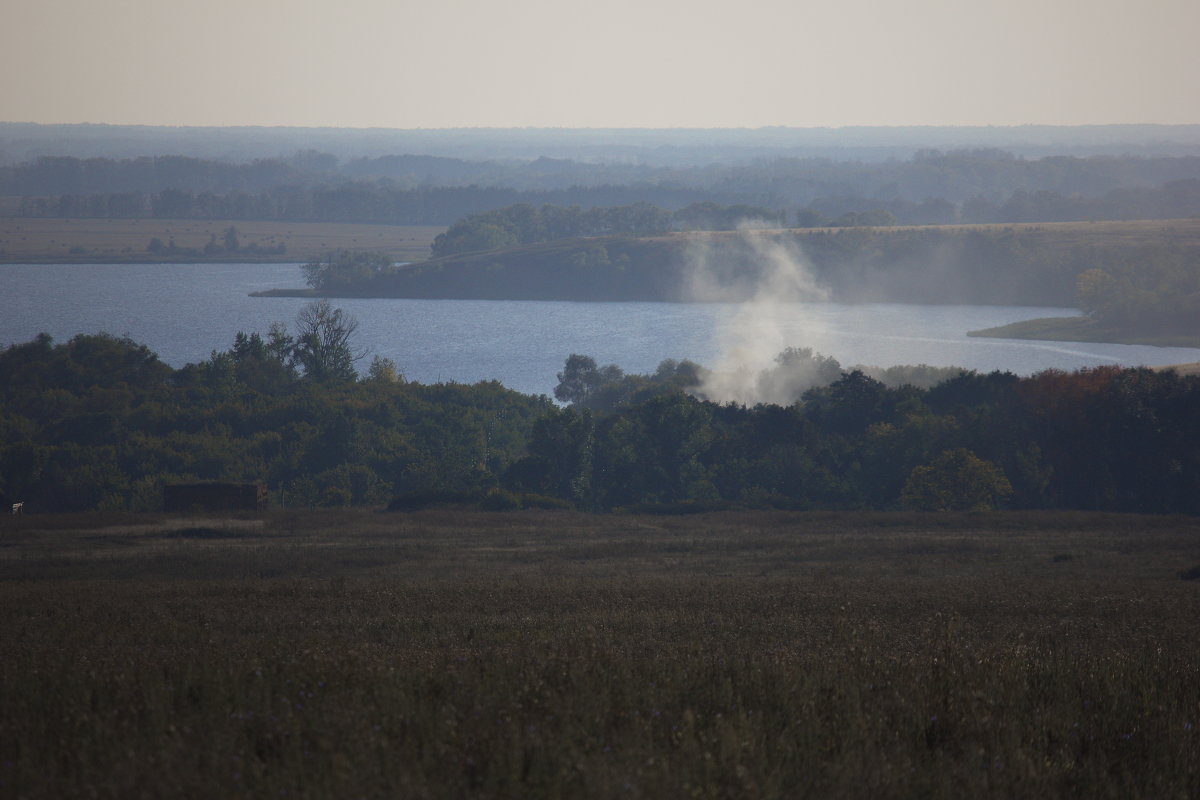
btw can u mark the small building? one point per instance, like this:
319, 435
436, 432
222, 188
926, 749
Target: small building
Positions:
214, 496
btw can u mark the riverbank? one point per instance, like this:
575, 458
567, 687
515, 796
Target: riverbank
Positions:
289, 293
1085, 329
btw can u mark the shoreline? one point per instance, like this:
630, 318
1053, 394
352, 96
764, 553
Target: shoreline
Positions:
127, 258
294, 293
1083, 329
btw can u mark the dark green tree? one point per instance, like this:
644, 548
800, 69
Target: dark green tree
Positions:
560, 456
578, 380
345, 268
849, 404
956, 480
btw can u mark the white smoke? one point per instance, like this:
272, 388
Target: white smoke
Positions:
767, 275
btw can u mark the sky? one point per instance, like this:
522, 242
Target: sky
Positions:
600, 63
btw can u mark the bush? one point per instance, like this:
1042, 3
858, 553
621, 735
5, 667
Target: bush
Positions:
335, 496
500, 500
548, 503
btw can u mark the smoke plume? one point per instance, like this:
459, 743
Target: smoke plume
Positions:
766, 275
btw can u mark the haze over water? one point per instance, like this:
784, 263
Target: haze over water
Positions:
184, 312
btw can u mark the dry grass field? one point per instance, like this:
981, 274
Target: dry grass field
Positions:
1103, 233
551, 654
91, 240
1098, 234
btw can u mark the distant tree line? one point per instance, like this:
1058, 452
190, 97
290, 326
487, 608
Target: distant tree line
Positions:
585, 385
931, 188
228, 244
633, 149
955, 176
368, 202
59, 175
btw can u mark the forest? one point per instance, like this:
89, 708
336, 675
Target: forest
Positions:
1135, 282
1103, 438
99, 423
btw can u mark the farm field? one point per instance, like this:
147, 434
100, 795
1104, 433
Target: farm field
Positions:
1099, 233
550, 654
108, 240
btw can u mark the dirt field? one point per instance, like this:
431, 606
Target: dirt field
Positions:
92, 240
551, 654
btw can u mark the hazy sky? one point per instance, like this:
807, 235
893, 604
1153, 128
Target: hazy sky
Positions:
600, 63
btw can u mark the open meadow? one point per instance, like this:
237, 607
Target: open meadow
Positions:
24, 240
552, 654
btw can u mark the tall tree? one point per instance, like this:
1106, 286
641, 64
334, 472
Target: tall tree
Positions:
324, 346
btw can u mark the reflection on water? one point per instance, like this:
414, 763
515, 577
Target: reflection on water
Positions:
183, 312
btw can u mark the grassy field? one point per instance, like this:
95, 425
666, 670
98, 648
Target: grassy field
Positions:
106, 240
1083, 329
462, 654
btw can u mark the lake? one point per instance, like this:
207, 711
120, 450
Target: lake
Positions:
185, 311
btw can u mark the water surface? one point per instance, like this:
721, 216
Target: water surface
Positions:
185, 311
